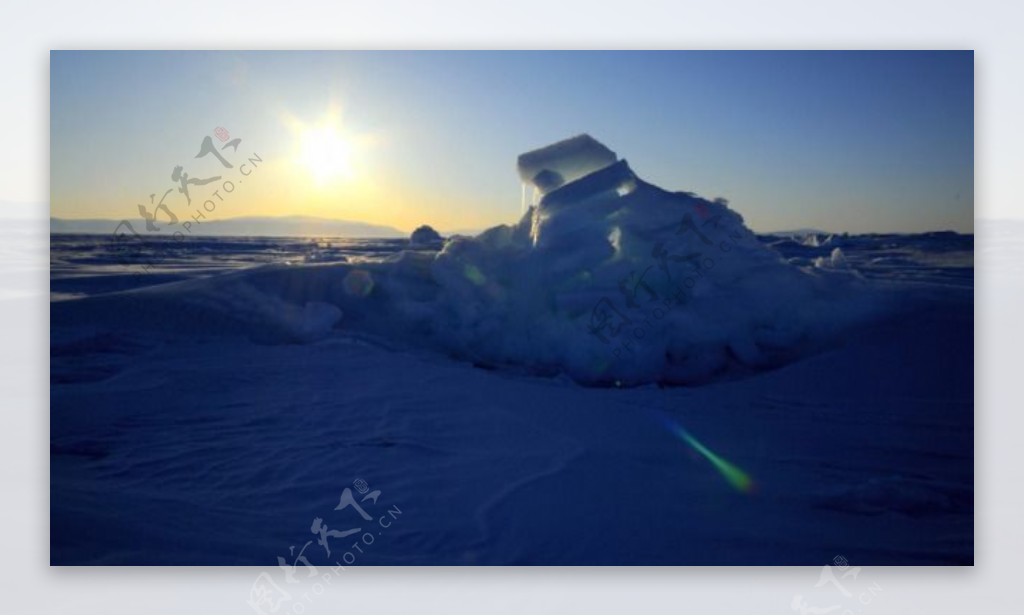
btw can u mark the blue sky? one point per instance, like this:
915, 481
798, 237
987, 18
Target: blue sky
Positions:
846, 141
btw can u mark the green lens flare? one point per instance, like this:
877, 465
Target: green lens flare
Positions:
732, 473
475, 275
736, 477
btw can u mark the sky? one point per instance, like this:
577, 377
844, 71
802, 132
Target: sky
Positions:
841, 141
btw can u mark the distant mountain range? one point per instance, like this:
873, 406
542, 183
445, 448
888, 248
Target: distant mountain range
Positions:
256, 226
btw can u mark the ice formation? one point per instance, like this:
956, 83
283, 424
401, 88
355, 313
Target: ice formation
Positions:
608, 279
835, 260
426, 236
614, 280
558, 164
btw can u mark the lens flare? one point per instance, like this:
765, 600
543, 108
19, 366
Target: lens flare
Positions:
474, 274
358, 283
732, 473
736, 477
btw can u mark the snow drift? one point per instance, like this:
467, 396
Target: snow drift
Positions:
608, 279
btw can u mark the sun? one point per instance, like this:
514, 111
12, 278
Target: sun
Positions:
326, 153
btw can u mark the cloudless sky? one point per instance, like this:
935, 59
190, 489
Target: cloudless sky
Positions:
843, 141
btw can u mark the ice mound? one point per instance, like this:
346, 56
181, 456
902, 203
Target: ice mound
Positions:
614, 280
835, 260
425, 236
608, 279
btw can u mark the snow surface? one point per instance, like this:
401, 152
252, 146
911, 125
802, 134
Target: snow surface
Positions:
205, 411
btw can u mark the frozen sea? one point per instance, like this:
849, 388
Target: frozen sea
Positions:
269, 432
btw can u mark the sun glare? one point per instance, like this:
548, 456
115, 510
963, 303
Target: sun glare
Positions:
326, 153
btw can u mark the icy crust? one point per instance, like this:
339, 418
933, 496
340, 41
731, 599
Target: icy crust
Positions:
609, 280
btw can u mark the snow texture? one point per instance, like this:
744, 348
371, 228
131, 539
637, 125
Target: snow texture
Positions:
207, 408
